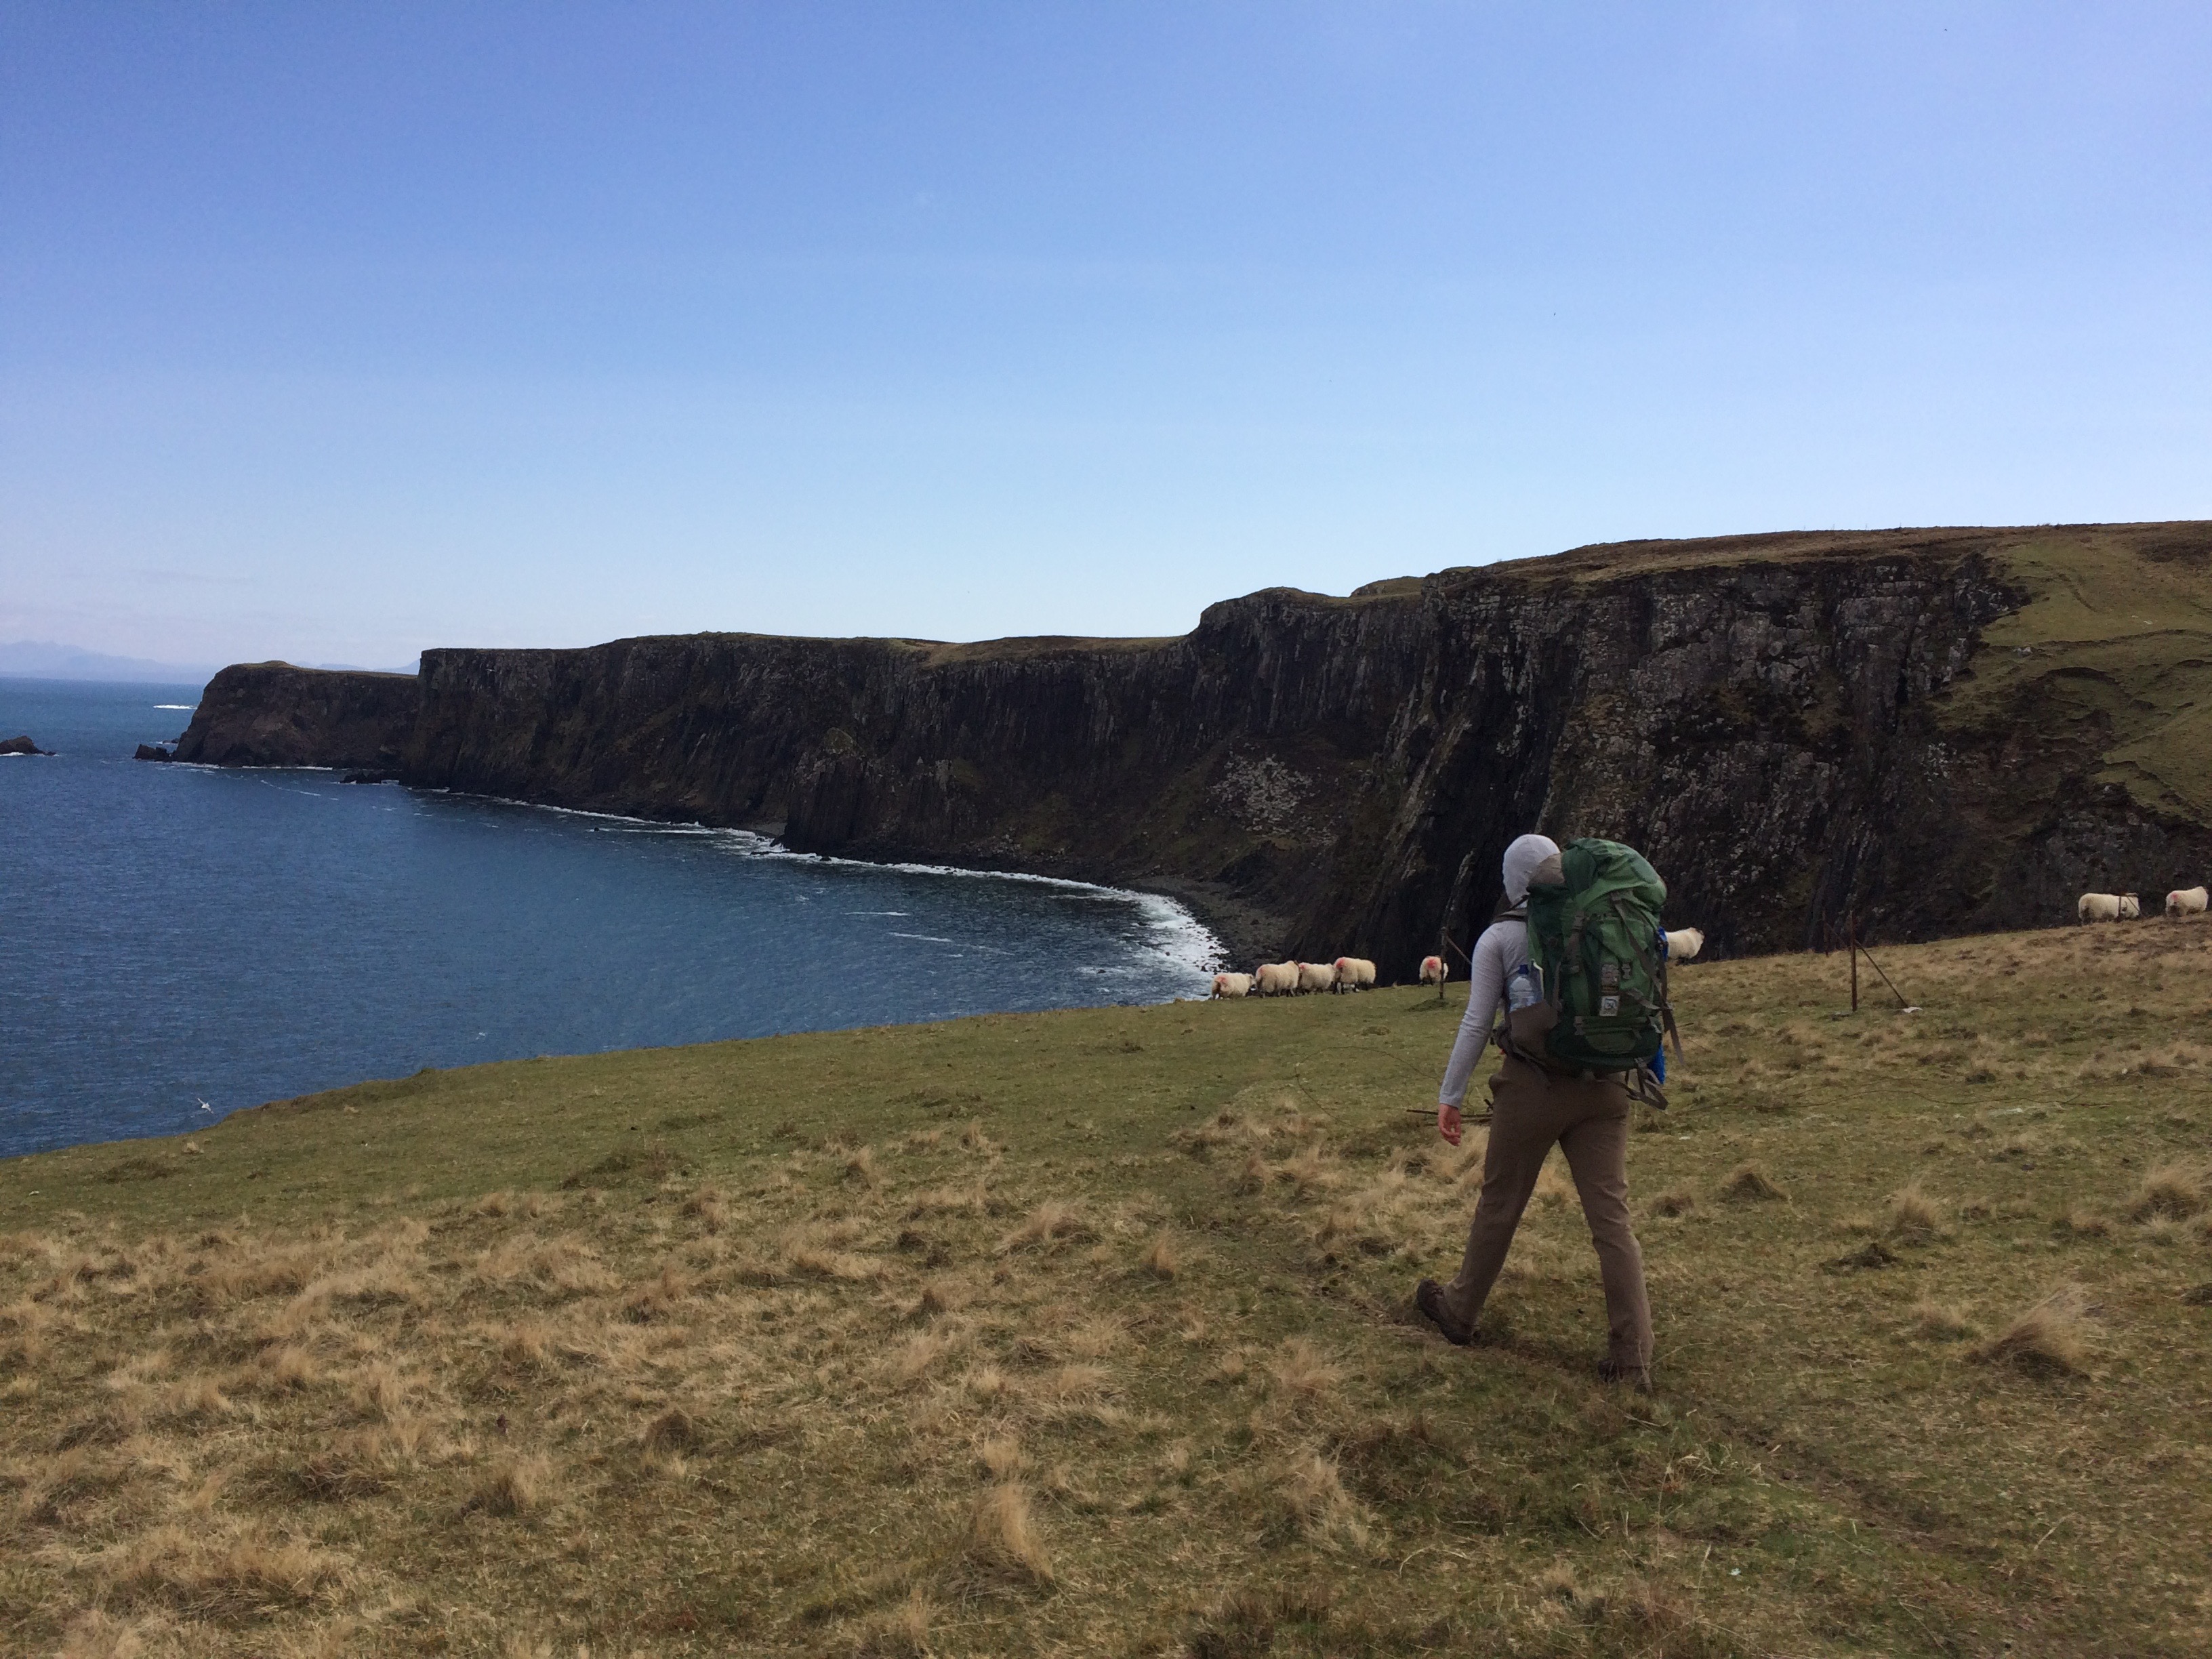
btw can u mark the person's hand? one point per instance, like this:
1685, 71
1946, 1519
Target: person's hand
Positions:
1448, 1124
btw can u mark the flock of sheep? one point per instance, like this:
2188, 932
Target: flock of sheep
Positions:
2126, 906
1283, 979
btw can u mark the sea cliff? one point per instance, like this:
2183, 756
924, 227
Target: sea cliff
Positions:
1928, 731
272, 714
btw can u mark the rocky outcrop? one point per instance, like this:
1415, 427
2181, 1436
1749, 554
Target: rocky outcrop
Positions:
272, 714
1780, 722
21, 745
153, 752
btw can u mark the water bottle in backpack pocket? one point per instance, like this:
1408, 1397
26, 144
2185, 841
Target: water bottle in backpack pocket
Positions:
1529, 1015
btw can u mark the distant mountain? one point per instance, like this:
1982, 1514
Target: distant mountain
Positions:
45, 660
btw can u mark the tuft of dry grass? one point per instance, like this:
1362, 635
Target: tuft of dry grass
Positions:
1552, 1189
1940, 1321
1312, 1490
1050, 1221
288, 1366
1302, 1372
901, 1633
673, 1431
2051, 1338
2082, 1224
1161, 1259
513, 1485
1674, 1201
2175, 1190
1749, 1184
98, 1635
1914, 1217
355, 1465
1003, 1535
227, 1576
711, 1206
920, 1354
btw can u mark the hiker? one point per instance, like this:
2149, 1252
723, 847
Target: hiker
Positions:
1534, 1107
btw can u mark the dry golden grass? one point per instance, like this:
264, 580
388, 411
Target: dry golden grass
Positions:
1302, 1372
1003, 1535
2053, 1337
1914, 1217
513, 1485
1161, 1258
2176, 1190
1940, 1321
731, 1394
1313, 1491
1749, 1184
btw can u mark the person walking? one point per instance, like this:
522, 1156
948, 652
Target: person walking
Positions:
1534, 1107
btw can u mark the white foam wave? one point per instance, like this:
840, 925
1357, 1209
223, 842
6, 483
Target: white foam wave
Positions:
1170, 932
187, 707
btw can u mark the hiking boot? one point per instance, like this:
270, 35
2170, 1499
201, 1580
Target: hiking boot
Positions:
1428, 1297
1614, 1371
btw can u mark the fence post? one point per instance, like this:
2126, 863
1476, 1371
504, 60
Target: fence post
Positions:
1855, 964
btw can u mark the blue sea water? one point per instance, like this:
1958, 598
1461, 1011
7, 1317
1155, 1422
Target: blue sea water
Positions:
174, 935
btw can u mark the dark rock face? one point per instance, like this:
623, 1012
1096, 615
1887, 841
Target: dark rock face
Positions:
150, 751
1764, 717
20, 747
271, 714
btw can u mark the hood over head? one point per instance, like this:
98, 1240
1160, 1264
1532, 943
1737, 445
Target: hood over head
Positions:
1522, 860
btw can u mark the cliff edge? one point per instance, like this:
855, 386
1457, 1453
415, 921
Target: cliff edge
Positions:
272, 714
1933, 730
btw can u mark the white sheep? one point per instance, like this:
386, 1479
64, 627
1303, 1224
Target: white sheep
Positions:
1354, 973
2131, 906
2185, 901
1232, 985
1316, 976
1683, 943
1435, 971
2098, 907
1275, 979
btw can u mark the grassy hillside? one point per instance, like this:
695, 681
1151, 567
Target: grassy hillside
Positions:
1088, 1333
2116, 642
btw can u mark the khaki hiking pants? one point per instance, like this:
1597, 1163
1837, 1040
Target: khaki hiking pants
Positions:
1532, 1111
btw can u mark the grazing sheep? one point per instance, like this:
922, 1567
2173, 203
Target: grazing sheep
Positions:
1434, 970
2098, 907
2185, 901
1232, 985
1276, 979
1683, 943
1316, 976
2131, 906
1354, 973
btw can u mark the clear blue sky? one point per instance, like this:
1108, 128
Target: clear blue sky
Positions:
332, 331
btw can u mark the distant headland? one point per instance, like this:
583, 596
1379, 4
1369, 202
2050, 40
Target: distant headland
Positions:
1927, 730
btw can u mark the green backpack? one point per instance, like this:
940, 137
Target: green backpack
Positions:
1593, 931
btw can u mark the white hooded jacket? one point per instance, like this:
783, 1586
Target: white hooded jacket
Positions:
1503, 947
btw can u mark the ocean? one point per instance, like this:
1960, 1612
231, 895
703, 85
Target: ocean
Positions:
177, 942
